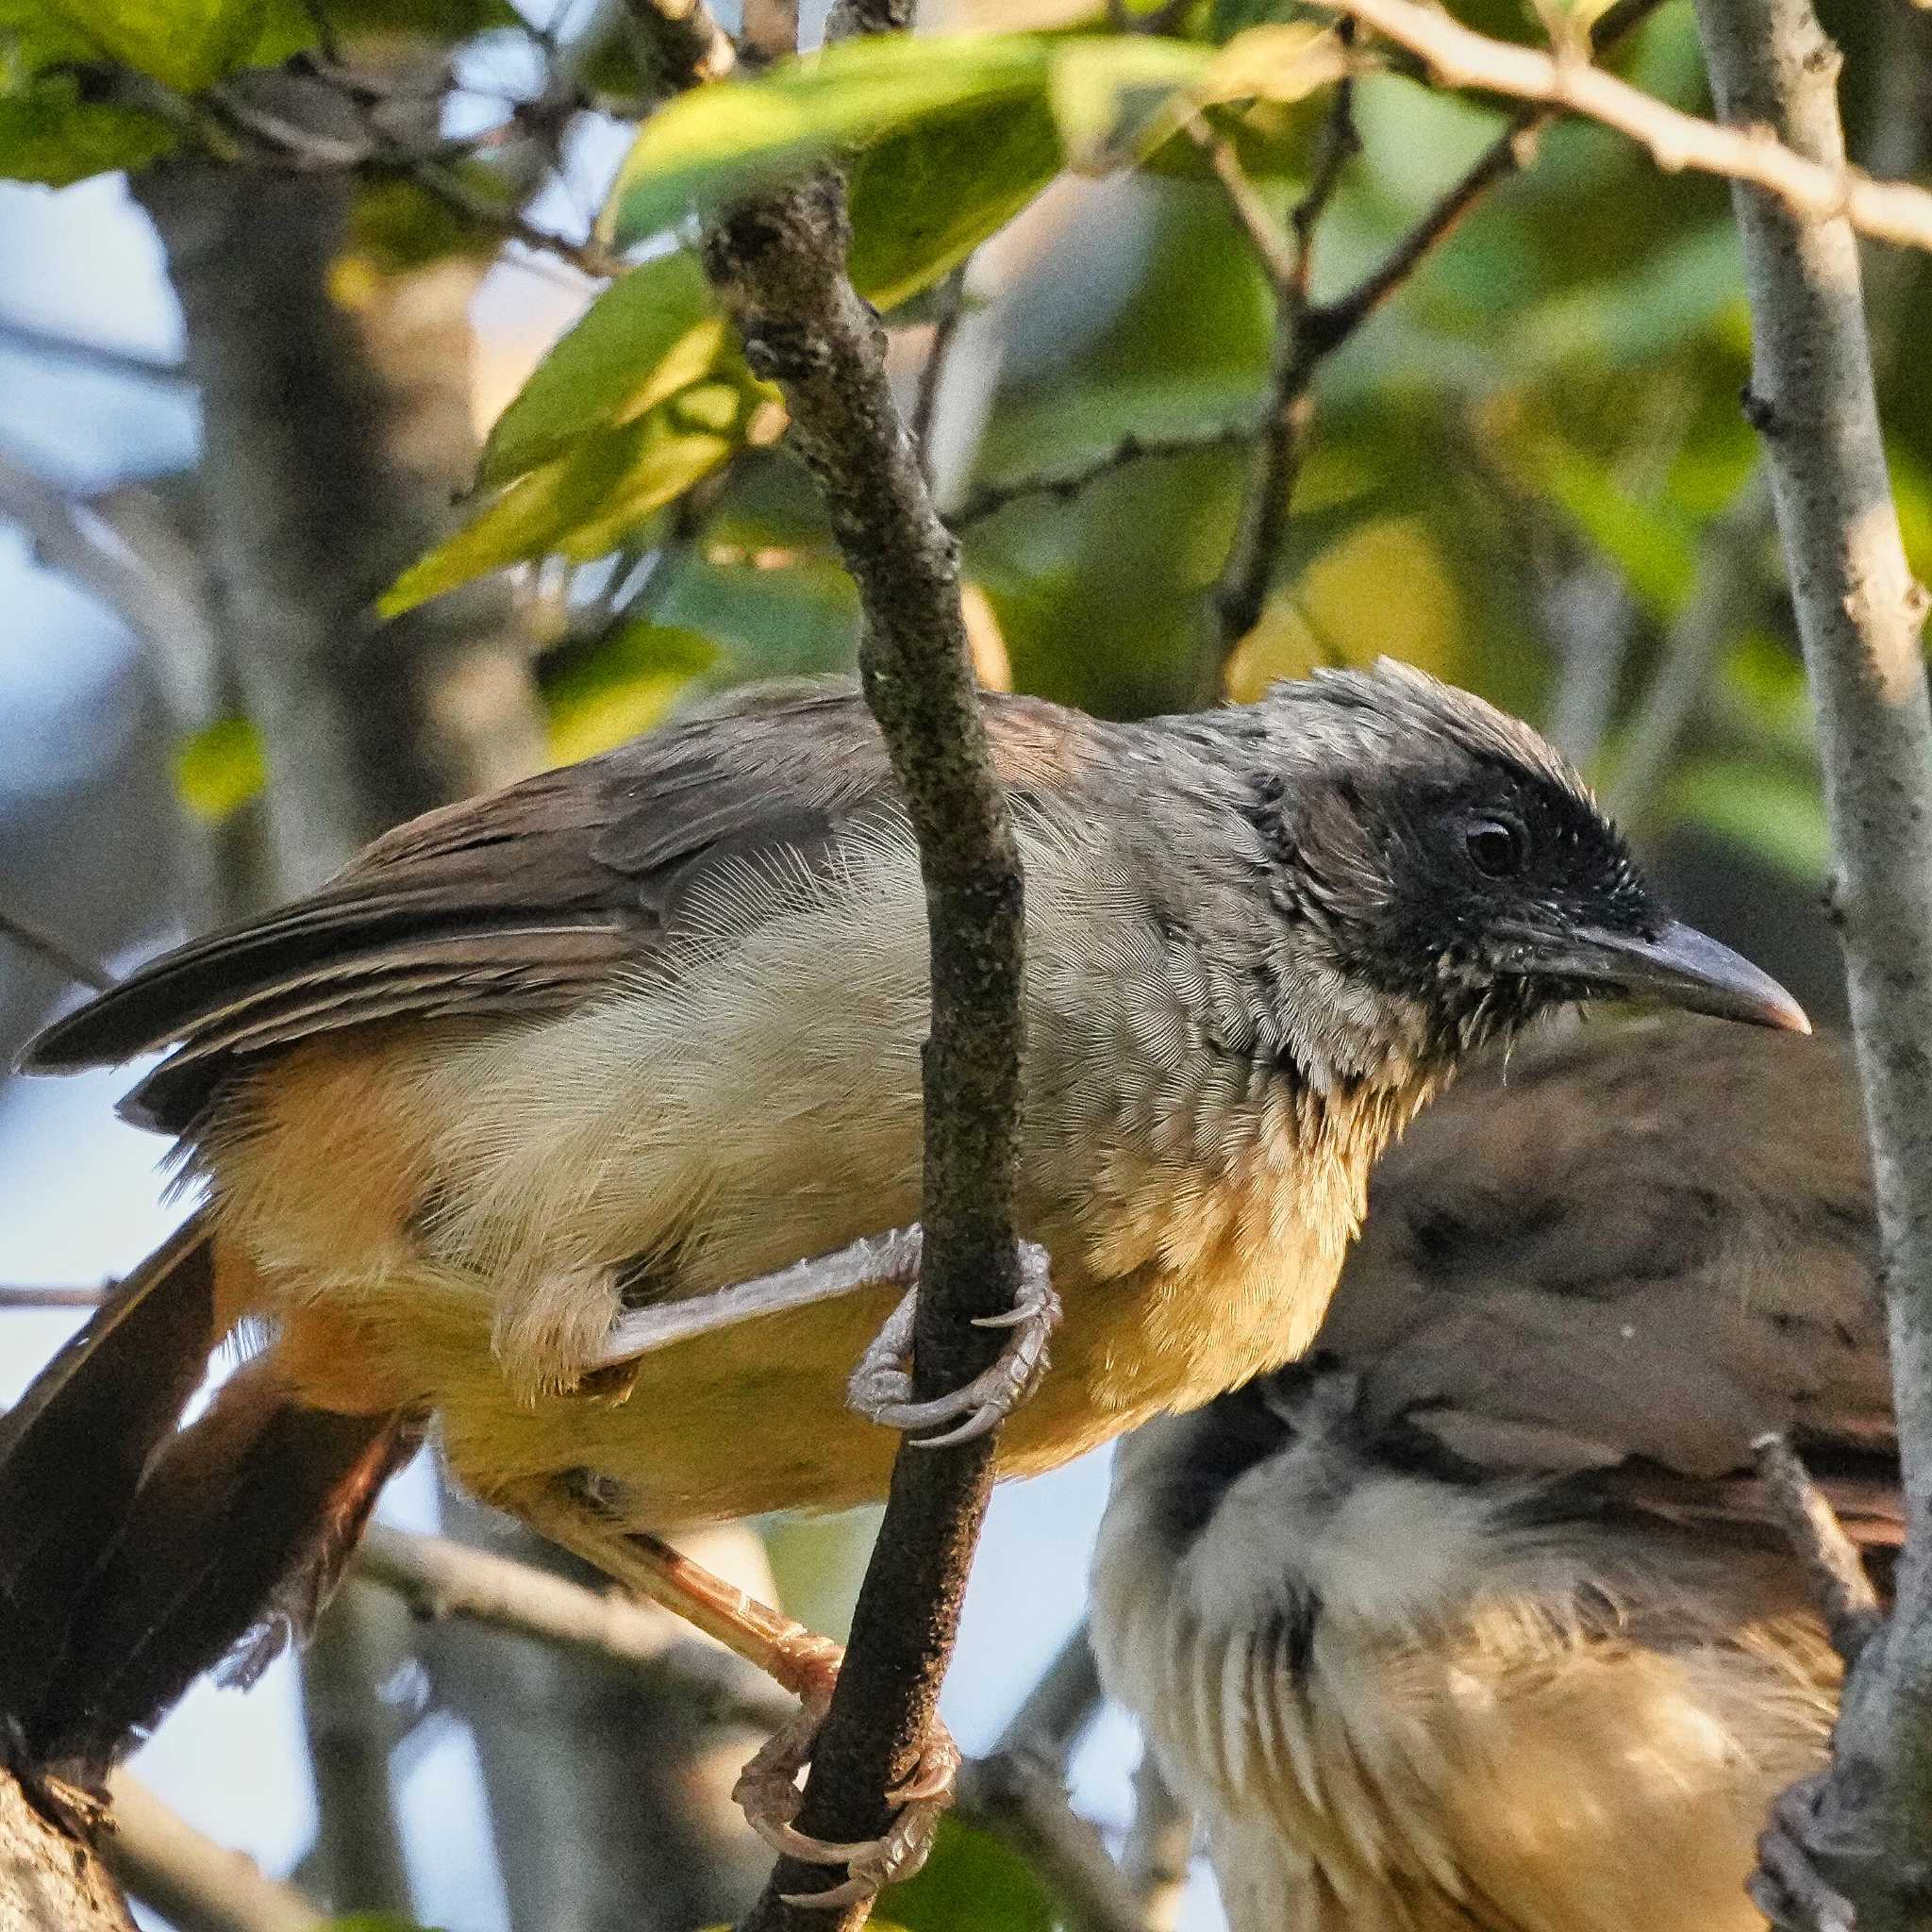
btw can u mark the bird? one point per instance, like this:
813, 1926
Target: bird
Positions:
584, 1119
1477, 1617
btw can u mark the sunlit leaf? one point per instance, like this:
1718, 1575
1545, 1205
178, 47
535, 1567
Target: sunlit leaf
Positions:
621, 688
220, 768
649, 334
188, 44
1112, 96
586, 501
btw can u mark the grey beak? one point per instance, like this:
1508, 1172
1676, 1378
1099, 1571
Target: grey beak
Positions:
1681, 967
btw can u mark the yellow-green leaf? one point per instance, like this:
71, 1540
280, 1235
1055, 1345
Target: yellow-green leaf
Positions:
624, 686
220, 768
924, 197
722, 141
586, 501
50, 135
649, 334
188, 44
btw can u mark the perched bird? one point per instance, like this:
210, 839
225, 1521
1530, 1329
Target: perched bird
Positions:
1478, 1618
512, 1122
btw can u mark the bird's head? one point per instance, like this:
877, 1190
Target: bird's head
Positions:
1439, 854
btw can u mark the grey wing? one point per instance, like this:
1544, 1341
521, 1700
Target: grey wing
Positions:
1656, 1246
527, 900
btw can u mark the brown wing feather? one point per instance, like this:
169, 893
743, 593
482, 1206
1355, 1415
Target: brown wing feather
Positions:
1661, 1246
529, 900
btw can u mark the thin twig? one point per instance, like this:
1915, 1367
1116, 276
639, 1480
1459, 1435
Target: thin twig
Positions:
1833, 1568
437, 1577
952, 306
1707, 624
196, 1884
56, 953
780, 267
1058, 1708
991, 498
14, 1298
1458, 57
100, 358
1271, 247
1160, 1848
1243, 586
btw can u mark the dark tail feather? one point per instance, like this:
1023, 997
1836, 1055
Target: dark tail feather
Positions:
133, 1555
73, 1448
238, 1537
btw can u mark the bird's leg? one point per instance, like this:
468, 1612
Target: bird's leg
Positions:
571, 1511
881, 1385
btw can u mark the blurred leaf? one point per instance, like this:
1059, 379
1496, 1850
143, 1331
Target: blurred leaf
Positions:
375, 1922
395, 227
1682, 289
972, 1883
1654, 548
650, 333
724, 140
1112, 95
188, 44
1773, 812
220, 768
290, 25
585, 502
50, 135
924, 198
621, 688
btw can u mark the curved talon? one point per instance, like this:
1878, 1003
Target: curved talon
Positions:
881, 1388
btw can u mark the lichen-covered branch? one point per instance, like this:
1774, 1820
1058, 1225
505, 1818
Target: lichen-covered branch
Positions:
1860, 616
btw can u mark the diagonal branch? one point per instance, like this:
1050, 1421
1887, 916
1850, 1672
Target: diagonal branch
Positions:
1809, 186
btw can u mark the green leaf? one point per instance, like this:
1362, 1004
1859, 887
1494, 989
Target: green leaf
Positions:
924, 197
1654, 547
723, 140
188, 44
650, 333
971, 1880
585, 502
621, 688
220, 768
50, 135
1112, 95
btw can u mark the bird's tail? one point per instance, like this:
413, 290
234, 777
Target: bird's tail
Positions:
136, 1552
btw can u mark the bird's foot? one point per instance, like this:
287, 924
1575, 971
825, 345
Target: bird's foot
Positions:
73, 1809
881, 1385
1788, 1887
768, 1793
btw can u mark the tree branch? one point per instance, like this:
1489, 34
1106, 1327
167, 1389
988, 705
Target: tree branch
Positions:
197, 1885
1859, 615
56, 953
1021, 1802
1160, 1848
436, 1578
780, 265
1458, 57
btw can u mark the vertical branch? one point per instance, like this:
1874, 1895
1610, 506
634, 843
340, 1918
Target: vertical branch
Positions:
1160, 1844
780, 265
1859, 615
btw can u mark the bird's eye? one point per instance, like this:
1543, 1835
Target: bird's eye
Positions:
1498, 848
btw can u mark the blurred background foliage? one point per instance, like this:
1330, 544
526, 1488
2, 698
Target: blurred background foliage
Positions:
1527, 472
